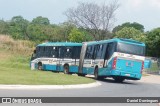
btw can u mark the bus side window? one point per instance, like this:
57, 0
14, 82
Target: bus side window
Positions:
37, 51
110, 50
54, 52
100, 52
96, 50
46, 51
49, 51
104, 49
68, 52
89, 52
41, 51
76, 52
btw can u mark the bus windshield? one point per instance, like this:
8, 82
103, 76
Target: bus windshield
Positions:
131, 49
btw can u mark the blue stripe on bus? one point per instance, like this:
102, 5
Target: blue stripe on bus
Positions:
73, 69
88, 70
49, 67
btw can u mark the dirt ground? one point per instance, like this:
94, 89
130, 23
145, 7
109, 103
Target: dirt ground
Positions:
150, 78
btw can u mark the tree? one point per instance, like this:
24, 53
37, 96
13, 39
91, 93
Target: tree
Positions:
97, 19
131, 33
18, 27
65, 29
128, 24
77, 35
41, 20
153, 43
39, 32
4, 27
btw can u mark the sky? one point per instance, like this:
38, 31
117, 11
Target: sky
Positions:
145, 12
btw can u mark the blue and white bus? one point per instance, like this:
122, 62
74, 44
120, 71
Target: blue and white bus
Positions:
117, 58
57, 56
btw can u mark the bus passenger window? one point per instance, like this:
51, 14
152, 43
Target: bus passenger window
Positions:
110, 49
99, 52
96, 49
54, 52
68, 52
89, 52
76, 52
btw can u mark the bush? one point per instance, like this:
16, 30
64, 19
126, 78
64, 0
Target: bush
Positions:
16, 46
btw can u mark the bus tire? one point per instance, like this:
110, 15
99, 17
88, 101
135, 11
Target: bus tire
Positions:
39, 66
118, 79
82, 75
66, 69
96, 74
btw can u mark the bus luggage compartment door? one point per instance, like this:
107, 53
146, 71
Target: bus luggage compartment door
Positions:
58, 65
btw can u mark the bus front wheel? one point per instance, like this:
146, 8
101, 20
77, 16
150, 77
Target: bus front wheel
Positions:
39, 66
66, 69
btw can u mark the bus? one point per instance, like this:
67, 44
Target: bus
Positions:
117, 58
56, 56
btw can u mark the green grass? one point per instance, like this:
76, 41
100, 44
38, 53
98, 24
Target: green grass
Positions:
153, 68
14, 69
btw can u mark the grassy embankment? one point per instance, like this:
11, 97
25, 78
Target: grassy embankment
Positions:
14, 66
152, 70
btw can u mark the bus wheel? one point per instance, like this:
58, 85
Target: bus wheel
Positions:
82, 75
66, 69
39, 66
96, 74
118, 79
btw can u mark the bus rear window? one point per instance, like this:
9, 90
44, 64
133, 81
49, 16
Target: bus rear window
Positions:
131, 49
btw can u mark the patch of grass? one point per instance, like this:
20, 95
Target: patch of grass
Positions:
154, 67
14, 69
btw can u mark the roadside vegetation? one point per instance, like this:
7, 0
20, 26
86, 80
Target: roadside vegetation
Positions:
154, 68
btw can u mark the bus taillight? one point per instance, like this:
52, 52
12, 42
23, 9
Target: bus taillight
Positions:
142, 66
114, 63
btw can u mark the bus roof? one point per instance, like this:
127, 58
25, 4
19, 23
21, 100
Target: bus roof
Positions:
130, 41
60, 44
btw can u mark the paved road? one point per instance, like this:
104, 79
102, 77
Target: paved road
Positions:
108, 89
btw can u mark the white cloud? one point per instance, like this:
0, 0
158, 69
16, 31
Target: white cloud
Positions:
135, 3
155, 3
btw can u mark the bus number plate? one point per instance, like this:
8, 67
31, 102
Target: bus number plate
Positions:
127, 74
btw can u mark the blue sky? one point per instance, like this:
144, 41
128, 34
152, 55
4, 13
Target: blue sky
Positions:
145, 12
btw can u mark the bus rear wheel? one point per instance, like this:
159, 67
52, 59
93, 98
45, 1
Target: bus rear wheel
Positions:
66, 69
118, 79
80, 74
96, 74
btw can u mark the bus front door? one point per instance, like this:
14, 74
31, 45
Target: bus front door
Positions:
59, 59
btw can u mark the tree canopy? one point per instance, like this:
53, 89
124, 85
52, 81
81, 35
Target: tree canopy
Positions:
128, 24
130, 33
97, 19
153, 42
